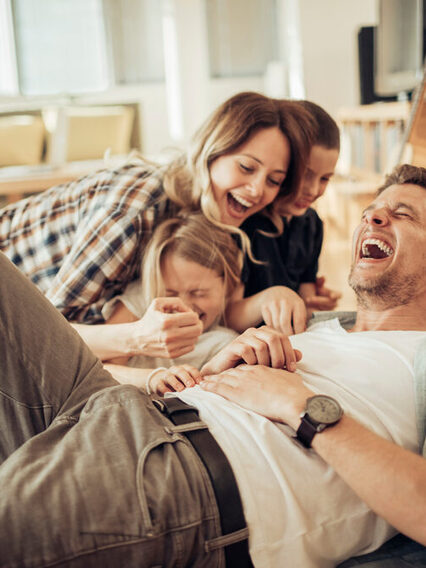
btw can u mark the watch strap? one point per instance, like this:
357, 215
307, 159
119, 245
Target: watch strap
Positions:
306, 431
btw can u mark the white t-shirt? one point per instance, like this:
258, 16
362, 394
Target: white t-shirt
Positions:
298, 510
209, 343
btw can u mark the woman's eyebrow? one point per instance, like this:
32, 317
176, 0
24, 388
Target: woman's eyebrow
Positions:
260, 162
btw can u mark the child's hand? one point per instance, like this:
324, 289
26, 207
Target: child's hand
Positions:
283, 309
324, 298
168, 328
174, 379
256, 346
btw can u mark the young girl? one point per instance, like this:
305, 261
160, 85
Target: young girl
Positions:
189, 265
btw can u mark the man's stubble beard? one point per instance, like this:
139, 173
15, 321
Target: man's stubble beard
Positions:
385, 291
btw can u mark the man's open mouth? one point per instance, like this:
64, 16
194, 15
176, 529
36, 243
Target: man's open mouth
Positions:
375, 248
238, 203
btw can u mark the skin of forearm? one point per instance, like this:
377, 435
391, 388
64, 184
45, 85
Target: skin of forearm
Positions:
107, 341
390, 479
128, 375
244, 313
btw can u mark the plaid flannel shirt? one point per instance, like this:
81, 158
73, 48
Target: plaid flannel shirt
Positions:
81, 243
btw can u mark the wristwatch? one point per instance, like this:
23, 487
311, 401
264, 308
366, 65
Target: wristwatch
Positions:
321, 411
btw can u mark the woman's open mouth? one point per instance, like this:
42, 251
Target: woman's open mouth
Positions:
237, 204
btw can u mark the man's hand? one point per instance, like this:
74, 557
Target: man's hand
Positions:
276, 394
283, 309
168, 329
174, 379
256, 346
323, 298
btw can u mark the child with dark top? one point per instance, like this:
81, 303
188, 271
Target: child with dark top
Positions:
291, 258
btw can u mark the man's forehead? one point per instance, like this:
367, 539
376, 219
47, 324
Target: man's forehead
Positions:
408, 193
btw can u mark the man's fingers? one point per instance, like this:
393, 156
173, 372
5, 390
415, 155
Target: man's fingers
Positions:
271, 342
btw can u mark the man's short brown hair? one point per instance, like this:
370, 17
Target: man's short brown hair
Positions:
404, 174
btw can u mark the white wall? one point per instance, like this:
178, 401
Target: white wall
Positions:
330, 51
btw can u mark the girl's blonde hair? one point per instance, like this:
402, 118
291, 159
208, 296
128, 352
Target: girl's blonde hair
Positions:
193, 238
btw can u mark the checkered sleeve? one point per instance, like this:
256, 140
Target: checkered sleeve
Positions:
81, 243
99, 264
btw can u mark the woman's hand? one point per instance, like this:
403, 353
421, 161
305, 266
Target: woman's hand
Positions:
256, 346
174, 379
168, 329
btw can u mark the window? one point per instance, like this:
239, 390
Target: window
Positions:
135, 31
242, 36
60, 46
53, 47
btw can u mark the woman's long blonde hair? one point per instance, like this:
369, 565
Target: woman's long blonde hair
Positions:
193, 238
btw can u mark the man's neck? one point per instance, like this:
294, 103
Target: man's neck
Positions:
407, 317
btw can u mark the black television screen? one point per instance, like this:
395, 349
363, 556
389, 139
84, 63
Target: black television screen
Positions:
398, 41
391, 54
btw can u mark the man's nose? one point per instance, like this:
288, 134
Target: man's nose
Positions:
377, 216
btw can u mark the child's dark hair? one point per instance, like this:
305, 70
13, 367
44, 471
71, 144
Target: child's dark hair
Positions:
327, 133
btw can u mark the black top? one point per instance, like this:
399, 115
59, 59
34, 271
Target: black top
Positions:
292, 257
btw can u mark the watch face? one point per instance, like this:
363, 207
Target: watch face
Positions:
323, 409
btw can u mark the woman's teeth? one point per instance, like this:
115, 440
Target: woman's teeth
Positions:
241, 200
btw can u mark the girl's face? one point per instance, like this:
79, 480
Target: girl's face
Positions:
321, 165
249, 178
200, 288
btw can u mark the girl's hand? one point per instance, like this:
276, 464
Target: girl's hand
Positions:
174, 379
256, 346
283, 309
168, 329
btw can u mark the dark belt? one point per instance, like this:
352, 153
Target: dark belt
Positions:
221, 476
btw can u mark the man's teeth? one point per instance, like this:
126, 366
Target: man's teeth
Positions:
380, 244
241, 200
